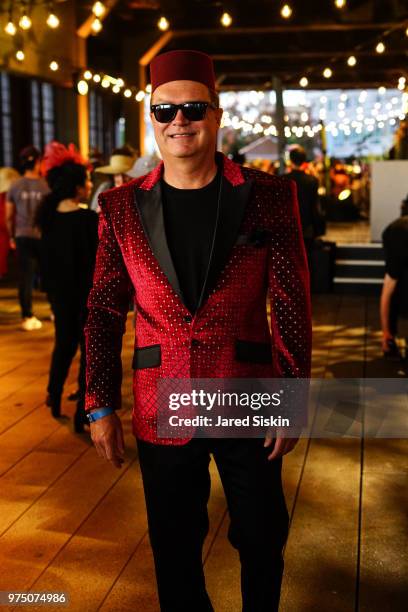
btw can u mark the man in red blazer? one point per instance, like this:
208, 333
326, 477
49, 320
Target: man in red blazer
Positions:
198, 244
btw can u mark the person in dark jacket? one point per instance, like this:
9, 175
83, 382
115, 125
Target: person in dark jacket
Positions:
394, 295
69, 236
307, 191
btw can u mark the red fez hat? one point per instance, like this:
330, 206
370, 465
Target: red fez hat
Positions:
182, 65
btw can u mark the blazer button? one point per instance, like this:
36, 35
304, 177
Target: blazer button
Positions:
188, 319
195, 342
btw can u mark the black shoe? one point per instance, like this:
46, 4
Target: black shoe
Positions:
392, 352
54, 403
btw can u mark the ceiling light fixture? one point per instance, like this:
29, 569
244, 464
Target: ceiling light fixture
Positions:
286, 11
25, 22
226, 20
163, 24
53, 21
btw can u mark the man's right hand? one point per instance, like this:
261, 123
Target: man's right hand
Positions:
107, 436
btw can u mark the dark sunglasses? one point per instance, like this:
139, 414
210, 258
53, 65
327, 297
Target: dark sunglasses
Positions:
192, 111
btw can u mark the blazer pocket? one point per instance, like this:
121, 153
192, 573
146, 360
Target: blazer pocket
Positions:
253, 352
147, 357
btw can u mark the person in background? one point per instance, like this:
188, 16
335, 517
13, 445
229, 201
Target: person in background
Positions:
307, 192
23, 199
120, 162
68, 249
7, 177
394, 295
143, 166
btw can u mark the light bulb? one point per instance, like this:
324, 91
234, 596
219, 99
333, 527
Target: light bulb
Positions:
98, 9
381, 91
97, 78
96, 26
163, 24
286, 11
352, 61
105, 83
148, 88
327, 73
82, 87
54, 66
52, 21
10, 28
304, 82
340, 3
116, 89
20, 56
380, 48
25, 22
127, 93
226, 20
120, 82
87, 75
140, 95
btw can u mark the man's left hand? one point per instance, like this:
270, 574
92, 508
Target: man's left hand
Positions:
282, 444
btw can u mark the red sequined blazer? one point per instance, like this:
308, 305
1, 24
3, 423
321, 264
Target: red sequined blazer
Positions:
229, 336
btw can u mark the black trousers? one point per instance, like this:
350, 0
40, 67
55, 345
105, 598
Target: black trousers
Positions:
28, 253
69, 321
177, 487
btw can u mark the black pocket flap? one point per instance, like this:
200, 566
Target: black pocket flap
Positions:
147, 357
254, 352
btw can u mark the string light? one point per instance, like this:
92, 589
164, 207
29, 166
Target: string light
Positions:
226, 20
163, 24
120, 83
140, 95
96, 26
127, 93
381, 91
304, 82
97, 78
52, 21
25, 22
105, 83
380, 48
286, 11
54, 66
10, 28
406, 32
20, 55
82, 87
148, 88
116, 89
327, 73
340, 3
87, 75
352, 60
98, 9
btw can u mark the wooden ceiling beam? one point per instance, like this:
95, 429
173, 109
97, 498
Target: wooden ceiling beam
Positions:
280, 29
318, 85
227, 57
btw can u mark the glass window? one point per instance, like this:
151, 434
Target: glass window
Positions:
6, 134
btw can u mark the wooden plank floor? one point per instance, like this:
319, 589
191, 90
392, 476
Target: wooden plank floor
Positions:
69, 522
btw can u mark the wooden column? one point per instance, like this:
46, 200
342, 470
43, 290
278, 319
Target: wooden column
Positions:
280, 122
143, 62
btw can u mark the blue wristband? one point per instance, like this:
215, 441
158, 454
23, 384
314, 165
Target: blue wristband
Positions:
99, 414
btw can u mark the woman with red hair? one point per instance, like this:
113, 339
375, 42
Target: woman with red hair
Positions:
69, 234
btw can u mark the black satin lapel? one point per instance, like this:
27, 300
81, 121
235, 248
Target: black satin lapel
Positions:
150, 207
233, 205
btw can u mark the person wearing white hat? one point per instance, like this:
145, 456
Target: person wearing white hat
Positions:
121, 160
